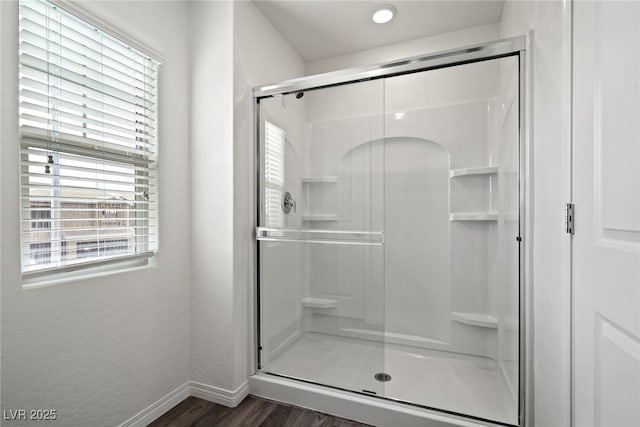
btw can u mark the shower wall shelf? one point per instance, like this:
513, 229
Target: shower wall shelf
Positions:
320, 218
322, 179
475, 319
488, 170
327, 183
480, 172
322, 303
473, 216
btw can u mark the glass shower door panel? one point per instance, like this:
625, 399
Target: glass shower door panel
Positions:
451, 255
321, 236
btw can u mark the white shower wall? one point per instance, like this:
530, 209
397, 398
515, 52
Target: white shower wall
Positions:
414, 295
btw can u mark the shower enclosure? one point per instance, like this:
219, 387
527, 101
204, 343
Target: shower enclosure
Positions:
390, 229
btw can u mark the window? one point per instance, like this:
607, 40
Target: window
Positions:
274, 174
40, 215
40, 253
87, 143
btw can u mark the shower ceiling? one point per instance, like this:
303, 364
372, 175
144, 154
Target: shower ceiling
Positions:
323, 29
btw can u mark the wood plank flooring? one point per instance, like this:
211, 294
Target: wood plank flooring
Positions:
252, 412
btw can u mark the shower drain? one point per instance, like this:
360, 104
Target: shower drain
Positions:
382, 377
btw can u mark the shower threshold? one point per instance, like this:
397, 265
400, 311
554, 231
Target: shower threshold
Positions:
452, 382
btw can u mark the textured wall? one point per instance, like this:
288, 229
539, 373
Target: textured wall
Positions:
228, 60
99, 350
212, 189
258, 60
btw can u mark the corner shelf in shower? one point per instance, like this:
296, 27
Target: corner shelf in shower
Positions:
323, 303
473, 216
487, 170
320, 218
475, 319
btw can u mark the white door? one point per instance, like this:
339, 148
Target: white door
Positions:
607, 211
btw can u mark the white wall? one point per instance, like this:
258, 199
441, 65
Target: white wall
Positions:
421, 46
100, 350
551, 160
228, 59
211, 50
261, 56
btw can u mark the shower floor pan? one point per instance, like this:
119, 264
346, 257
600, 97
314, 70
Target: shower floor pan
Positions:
468, 385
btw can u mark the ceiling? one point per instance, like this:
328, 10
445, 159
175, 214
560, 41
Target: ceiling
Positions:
322, 29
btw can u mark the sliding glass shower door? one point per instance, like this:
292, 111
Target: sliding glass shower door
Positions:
389, 237
452, 238
321, 236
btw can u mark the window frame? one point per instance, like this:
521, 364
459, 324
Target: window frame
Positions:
72, 271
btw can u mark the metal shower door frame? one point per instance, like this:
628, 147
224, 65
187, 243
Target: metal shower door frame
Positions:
515, 46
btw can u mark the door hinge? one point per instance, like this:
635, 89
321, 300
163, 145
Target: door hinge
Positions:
569, 219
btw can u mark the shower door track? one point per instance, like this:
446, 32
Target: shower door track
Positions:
515, 46
415, 64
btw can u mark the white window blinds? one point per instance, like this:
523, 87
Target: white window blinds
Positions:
273, 174
87, 143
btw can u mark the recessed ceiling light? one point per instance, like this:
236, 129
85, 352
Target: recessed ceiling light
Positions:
383, 14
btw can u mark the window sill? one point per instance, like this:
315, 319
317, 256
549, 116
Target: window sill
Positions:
57, 278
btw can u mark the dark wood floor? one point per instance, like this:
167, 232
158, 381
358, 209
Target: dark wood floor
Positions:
252, 412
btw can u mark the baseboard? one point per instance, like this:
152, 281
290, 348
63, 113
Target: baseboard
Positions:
230, 398
159, 408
